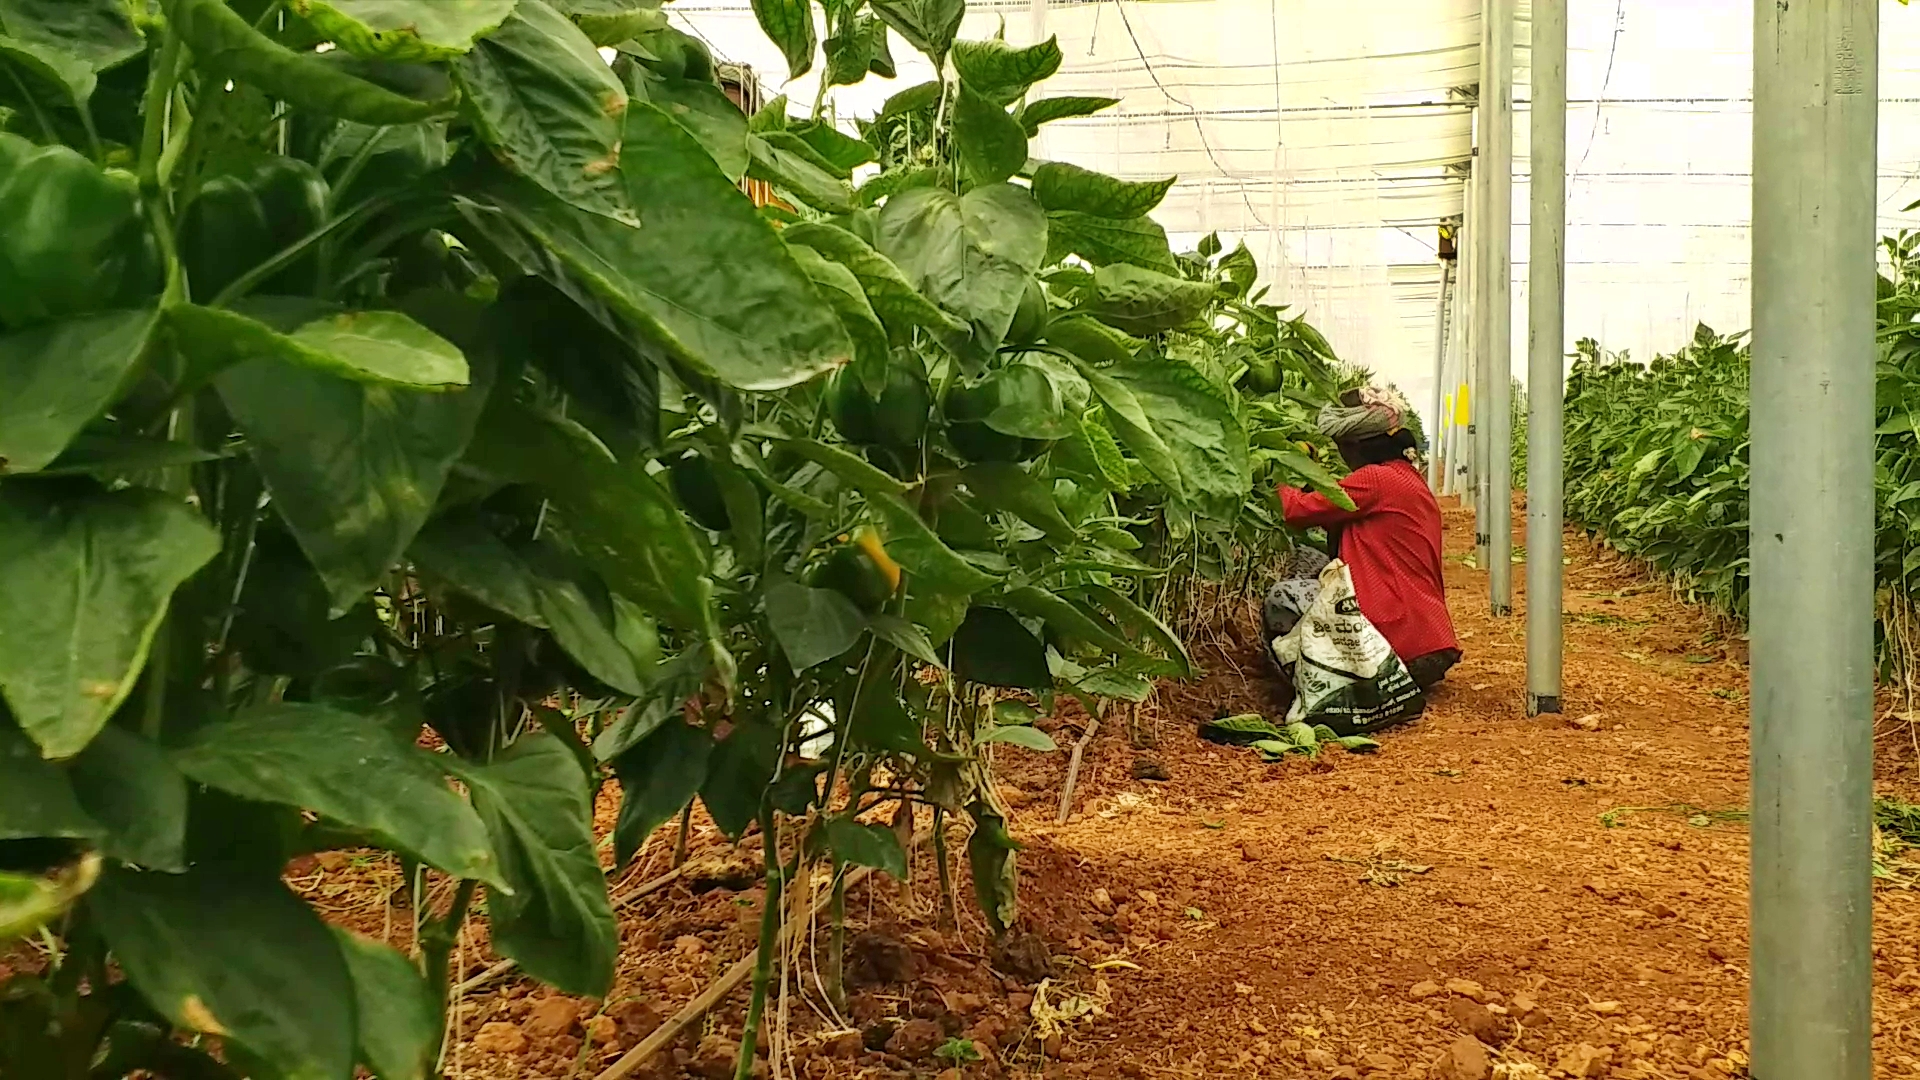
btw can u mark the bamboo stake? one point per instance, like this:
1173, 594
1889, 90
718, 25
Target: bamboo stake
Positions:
1073, 770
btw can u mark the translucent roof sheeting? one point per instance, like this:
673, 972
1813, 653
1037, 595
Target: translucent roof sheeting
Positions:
1331, 138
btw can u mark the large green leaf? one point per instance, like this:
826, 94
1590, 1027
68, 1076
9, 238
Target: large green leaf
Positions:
350, 768
789, 25
928, 25
895, 300
56, 377
1001, 73
126, 783
738, 773
36, 799
1199, 425
704, 110
622, 520
232, 953
224, 42
1064, 618
932, 566
398, 1014
65, 44
840, 290
794, 171
405, 29
461, 552
706, 278
990, 144
1008, 487
611, 22
658, 777
550, 108
383, 347
558, 923
1130, 424
812, 625
993, 648
1143, 302
865, 845
1030, 738
84, 582
1061, 186
353, 468
1106, 241
1128, 613
970, 254
29, 901
1047, 110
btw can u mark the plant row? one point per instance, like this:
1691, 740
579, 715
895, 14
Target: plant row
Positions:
407, 425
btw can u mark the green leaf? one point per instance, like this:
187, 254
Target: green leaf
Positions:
558, 923
1013, 711
863, 477
1109, 683
1315, 474
841, 291
906, 637
126, 783
789, 25
993, 648
795, 173
30, 901
1061, 186
381, 347
900, 306
704, 110
224, 42
658, 777
1143, 302
1356, 744
812, 625
879, 722
397, 1013
738, 772
56, 377
36, 799
1030, 403
622, 519
85, 581
231, 952
931, 565
108, 454
970, 254
350, 768
703, 258
550, 108
1047, 110
354, 468
928, 25
996, 878
990, 144
1107, 241
1001, 73
1091, 341
837, 148
1064, 618
1031, 738
405, 29
99, 33
1130, 614
1242, 729
1129, 423
1200, 427
1009, 488
866, 845
611, 22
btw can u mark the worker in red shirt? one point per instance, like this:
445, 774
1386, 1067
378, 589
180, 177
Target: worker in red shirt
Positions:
1390, 540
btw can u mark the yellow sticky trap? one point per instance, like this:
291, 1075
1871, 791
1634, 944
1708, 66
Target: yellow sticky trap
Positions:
1462, 411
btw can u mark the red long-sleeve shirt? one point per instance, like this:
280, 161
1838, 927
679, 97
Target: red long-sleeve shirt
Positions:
1391, 540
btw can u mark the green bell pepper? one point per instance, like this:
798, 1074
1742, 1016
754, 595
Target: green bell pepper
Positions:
236, 222
72, 238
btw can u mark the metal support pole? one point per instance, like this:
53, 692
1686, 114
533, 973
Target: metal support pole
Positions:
1436, 424
1477, 356
1496, 96
1816, 100
1459, 454
1546, 364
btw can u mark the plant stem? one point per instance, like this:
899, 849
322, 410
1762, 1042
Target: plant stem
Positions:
769, 944
949, 910
437, 940
837, 938
680, 845
153, 143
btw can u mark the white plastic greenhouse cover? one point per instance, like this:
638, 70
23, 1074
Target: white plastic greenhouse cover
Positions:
1329, 136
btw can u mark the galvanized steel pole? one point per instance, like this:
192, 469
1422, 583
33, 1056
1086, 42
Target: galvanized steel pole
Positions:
1546, 343
1496, 98
1460, 482
1477, 425
1436, 425
1816, 100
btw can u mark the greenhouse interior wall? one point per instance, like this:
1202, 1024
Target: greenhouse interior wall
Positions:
1332, 139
